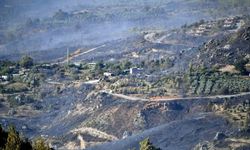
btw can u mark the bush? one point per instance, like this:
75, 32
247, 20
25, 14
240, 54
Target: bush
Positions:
241, 66
39, 144
147, 145
26, 62
224, 91
11, 140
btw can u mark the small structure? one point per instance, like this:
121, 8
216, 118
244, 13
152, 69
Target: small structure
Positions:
202, 29
107, 74
77, 64
15, 75
230, 23
136, 71
227, 47
24, 71
5, 78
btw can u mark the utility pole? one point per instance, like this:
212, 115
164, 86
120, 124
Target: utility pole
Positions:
67, 56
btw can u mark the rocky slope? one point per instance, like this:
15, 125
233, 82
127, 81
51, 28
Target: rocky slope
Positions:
228, 50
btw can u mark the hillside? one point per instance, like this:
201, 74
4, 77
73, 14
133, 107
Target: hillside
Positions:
108, 74
226, 51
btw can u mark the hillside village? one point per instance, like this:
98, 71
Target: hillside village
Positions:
181, 84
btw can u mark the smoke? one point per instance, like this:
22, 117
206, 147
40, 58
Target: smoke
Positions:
126, 15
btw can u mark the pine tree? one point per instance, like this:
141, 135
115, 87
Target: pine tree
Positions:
40, 145
13, 140
147, 145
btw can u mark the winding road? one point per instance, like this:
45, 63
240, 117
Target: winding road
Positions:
132, 98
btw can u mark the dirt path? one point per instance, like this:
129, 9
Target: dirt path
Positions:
172, 99
94, 132
76, 54
79, 53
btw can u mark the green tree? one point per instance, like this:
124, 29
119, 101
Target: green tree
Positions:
191, 69
26, 62
13, 140
241, 66
99, 66
147, 145
40, 144
126, 65
247, 120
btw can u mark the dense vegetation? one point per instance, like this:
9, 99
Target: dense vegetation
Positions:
11, 140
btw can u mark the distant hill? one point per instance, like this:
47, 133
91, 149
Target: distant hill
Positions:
228, 50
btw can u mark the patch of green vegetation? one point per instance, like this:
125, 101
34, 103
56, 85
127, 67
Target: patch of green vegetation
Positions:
5, 67
147, 145
26, 62
241, 66
11, 140
240, 114
218, 83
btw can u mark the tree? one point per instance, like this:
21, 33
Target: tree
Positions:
223, 90
241, 66
126, 65
191, 69
99, 66
26, 145
147, 145
40, 145
26, 62
247, 121
3, 137
13, 140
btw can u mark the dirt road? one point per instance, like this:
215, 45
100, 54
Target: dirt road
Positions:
173, 99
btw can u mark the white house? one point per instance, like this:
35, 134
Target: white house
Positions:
5, 77
107, 74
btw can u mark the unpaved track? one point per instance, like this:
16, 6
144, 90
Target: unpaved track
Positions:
94, 132
174, 99
76, 54
83, 53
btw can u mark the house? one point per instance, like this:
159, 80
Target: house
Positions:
77, 64
136, 71
227, 47
15, 75
5, 78
24, 71
229, 23
107, 74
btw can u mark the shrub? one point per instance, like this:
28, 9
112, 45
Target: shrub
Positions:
13, 140
147, 145
241, 66
26, 62
40, 144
